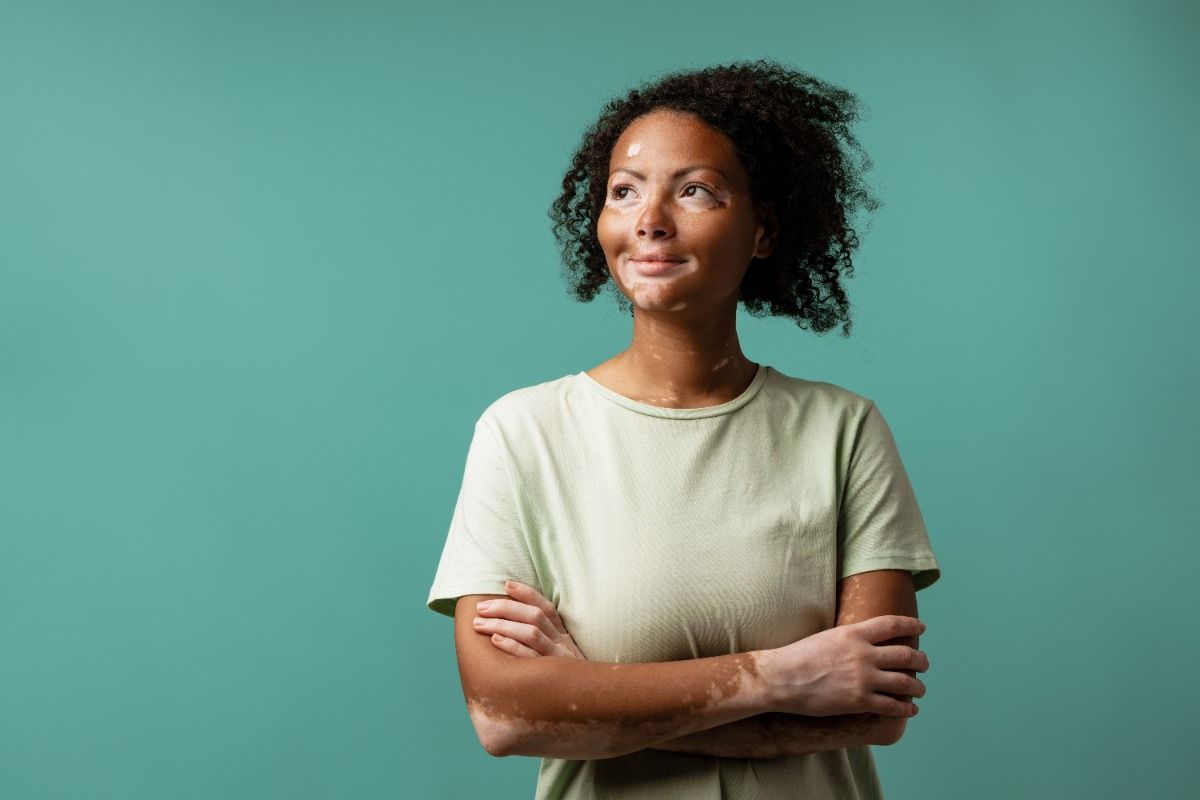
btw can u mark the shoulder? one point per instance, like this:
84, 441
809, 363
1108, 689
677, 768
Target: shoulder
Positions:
820, 399
516, 410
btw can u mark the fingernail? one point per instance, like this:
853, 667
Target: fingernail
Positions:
485, 605
509, 585
479, 621
915, 710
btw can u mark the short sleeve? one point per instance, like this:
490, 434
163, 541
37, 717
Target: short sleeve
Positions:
486, 544
879, 523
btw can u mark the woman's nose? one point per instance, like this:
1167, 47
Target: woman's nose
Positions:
654, 221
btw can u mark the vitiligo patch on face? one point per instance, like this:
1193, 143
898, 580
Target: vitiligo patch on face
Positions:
634, 149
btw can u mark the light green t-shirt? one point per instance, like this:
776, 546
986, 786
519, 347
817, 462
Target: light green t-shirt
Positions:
663, 534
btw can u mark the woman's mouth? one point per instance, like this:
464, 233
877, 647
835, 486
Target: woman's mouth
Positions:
653, 267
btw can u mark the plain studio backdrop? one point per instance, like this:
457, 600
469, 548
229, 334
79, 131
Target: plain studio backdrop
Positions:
263, 264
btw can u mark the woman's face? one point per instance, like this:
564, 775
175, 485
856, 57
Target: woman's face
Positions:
679, 226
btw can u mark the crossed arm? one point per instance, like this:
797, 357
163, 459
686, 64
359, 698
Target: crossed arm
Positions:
729, 726
773, 734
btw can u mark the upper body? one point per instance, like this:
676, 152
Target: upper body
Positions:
664, 534
681, 500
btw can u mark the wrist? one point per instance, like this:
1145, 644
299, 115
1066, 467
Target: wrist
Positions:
768, 695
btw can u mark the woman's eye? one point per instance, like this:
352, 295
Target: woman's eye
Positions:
615, 194
691, 186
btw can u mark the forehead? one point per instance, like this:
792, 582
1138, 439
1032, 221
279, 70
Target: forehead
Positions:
661, 140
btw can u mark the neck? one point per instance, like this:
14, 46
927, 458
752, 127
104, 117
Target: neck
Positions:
681, 362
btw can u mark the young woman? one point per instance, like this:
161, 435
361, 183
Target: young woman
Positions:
681, 573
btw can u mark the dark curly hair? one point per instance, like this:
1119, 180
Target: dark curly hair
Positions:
792, 134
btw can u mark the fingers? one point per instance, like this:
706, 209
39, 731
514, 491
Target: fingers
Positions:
890, 706
898, 656
889, 626
901, 684
527, 594
512, 646
521, 632
518, 612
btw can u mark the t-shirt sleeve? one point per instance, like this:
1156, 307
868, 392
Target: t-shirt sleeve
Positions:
879, 523
486, 543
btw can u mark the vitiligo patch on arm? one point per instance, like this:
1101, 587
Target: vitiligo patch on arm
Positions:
617, 709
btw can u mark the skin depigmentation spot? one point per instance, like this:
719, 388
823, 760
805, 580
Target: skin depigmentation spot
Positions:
597, 726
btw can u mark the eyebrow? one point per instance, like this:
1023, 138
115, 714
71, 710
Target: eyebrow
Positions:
683, 171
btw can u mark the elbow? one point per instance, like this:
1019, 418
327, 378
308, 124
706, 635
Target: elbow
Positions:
889, 730
496, 746
494, 734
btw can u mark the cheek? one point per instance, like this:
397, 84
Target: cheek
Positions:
608, 233
707, 235
728, 242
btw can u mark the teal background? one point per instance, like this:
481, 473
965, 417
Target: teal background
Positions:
262, 265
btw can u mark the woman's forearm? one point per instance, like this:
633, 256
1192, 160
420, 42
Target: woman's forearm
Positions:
775, 735
559, 707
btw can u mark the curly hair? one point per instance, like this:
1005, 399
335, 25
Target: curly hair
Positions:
792, 134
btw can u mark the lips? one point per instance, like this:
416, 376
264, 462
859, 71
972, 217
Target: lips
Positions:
658, 255
656, 263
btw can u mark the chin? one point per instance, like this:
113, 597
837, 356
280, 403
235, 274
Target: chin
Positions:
659, 306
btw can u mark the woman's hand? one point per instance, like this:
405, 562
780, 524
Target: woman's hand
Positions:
843, 671
527, 625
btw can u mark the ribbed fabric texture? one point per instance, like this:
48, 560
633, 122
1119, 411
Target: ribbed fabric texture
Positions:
663, 534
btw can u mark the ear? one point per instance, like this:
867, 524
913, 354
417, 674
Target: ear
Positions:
768, 231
